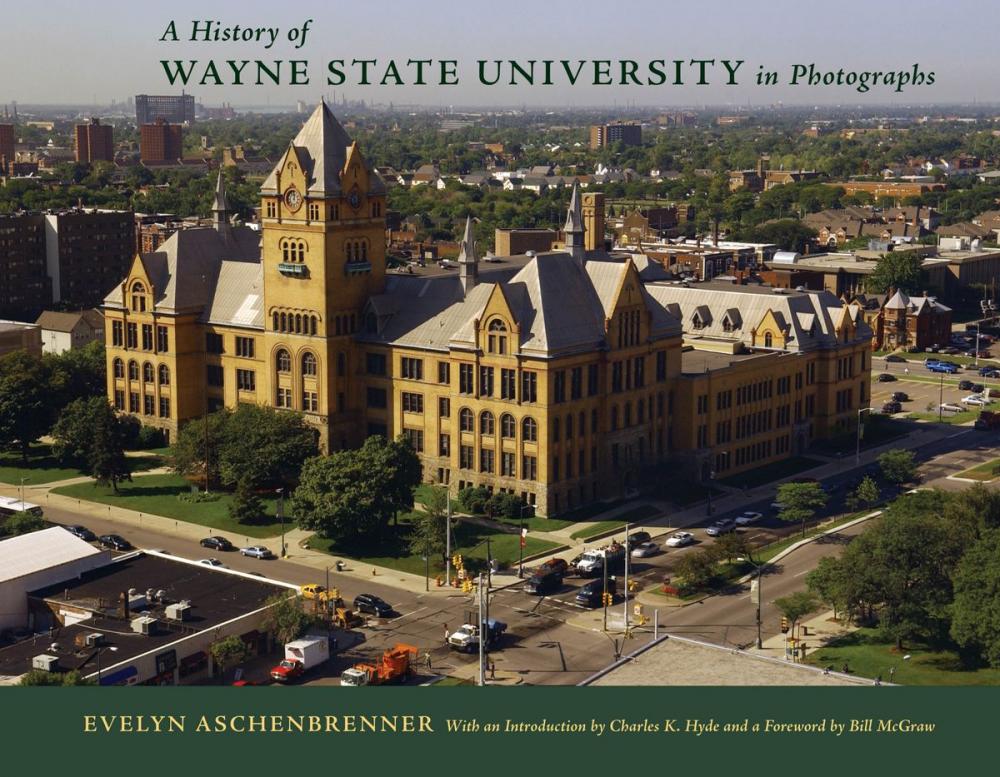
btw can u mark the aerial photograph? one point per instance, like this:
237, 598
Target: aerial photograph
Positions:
583, 351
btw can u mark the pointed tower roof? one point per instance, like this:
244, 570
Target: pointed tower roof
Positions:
468, 250
322, 148
221, 203
574, 216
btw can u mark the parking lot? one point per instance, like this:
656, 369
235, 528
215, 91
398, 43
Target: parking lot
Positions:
925, 389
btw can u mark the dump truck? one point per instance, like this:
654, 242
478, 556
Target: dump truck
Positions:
395, 666
593, 561
301, 655
465, 639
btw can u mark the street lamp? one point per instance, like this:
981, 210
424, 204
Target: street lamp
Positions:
113, 649
21, 491
281, 517
941, 400
520, 543
758, 568
857, 452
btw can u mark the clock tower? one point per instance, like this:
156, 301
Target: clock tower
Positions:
323, 251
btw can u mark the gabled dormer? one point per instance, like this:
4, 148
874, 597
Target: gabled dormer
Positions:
628, 317
770, 332
497, 330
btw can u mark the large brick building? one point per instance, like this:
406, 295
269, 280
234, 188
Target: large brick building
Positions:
628, 133
161, 142
559, 377
6, 146
94, 142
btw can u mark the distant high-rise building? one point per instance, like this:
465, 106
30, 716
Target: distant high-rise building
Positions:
174, 109
161, 142
94, 142
629, 133
25, 290
87, 251
6, 145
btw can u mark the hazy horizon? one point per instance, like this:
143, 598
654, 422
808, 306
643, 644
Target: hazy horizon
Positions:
94, 56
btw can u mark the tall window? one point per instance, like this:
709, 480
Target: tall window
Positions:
138, 297
768, 340
164, 375
486, 423
508, 427
133, 370
162, 340
308, 364
529, 430
119, 367
497, 339
284, 361
466, 420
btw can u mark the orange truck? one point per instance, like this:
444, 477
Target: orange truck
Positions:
395, 665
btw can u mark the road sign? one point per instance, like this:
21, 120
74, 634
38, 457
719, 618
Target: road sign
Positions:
754, 593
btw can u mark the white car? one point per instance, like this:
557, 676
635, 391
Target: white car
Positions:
256, 551
645, 549
947, 407
680, 539
212, 562
975, 399
748, 517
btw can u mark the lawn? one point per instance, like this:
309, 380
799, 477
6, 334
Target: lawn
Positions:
766, 552
867, 654
42, 467
771, 472
534, 523
635, 515
469, 541
158, 495
956, 419
988, 470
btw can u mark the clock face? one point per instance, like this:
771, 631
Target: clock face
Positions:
354, 199
293, 199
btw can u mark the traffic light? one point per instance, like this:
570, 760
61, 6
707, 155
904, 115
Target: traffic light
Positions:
456, 561
467, 586
608, 599
784, 625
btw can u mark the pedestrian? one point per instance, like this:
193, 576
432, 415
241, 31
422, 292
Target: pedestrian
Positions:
446, 633
493, 671
892, 673
427, 657
845, 668
878, 679
906, 370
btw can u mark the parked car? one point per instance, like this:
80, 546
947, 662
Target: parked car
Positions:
900, 396
543, 582
720, 527
978, 388
82, 532
947, 367
217, 543
590, 594
948, 407
373, 605
989, 372
965, 385
211, 562
888, 408
680, 539
114, 541
637, 538
256, 551
975, 399
886, 377
558, 565
894, 357
748, 517
645, 549
951, 350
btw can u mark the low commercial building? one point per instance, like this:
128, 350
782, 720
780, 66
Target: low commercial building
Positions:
145, 618
19, 336
69, 331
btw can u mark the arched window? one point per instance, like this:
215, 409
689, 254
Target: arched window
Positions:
274, 321
284, 323
284, 361
312, 325
138, 297
164, 375
465, 420
147, 372
119, 367
497, 340
133, 371
286, 253
298, 323
508, 427
486, 423
302, 251
768, 340
529, 430
364, 251
308, 364
614, 418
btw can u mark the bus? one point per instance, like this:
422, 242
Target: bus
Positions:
10, 506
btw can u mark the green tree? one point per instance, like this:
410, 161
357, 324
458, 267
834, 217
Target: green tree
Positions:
39, 677
108, 463
22, 523
975, 622
246, 506
898, 466
403, 472
896, 270
796, 606
866, 494
74, 430
427, 536
697, 569
26, 404
265, 446
229, 652
198, 440
800, 502
285, 617
827, 581
79, 373
731, 546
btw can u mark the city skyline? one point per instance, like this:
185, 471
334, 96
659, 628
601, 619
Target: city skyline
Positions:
641, 31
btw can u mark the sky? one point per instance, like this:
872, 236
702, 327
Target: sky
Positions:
85, 53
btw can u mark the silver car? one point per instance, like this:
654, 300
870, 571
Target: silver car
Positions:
256, 551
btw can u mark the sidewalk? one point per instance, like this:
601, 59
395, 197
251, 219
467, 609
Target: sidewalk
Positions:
815, 633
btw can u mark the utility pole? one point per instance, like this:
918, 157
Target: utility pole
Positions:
447, 543
941, 399
628, 553
604, 594
482, 640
